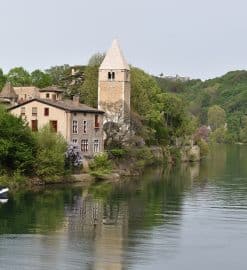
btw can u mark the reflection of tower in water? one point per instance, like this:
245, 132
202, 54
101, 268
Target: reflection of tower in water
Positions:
102, 224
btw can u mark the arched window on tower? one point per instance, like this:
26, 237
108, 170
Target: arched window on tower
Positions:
113, 75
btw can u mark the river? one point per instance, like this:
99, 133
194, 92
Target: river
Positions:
189, 217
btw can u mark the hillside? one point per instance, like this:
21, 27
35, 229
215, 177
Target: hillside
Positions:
228, 91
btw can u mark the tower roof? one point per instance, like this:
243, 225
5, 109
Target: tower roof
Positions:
114, 58
8, 91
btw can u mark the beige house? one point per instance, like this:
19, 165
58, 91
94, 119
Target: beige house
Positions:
76, 122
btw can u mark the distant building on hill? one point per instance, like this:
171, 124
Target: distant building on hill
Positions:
176, 78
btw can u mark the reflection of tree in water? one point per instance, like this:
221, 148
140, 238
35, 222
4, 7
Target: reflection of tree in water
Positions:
36, 212
223, 175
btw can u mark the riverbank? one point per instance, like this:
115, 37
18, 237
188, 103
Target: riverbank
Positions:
117, 164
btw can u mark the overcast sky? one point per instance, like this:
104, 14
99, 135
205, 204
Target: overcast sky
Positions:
196, 38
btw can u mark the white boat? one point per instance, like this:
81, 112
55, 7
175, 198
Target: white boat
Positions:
3, 200
4, 190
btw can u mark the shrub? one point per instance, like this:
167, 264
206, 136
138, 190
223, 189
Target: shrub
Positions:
117, 153
50, 160
17, 145
100, 166
218, 136
204, 149
175, 154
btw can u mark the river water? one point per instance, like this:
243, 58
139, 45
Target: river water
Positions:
188, 217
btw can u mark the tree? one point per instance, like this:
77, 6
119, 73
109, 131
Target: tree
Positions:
58, 73
89, 90
17, 145
50, 160
216, 117
18, 76
40, 79
96, 59
2, 79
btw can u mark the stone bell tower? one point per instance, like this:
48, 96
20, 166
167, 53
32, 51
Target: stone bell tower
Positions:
114, 86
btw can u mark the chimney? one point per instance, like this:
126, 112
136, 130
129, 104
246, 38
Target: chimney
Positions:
76, 100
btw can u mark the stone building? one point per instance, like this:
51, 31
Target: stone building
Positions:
114, 86
8, 95
76, 122
25, 93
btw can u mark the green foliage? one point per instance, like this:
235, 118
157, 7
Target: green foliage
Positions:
40, 79
204, 148
216, 117
100, 166
117, 153
15, 181
58, 73
219, 135
88, 91
17, 145
50, 160
2, 79
163, 114
175, 154
18, 76
228, 92
96, 59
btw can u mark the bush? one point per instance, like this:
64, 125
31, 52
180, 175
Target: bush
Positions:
100, 166
50, 160
17, 145
204, 149
218, 136
175, 154
15, 181
117, 153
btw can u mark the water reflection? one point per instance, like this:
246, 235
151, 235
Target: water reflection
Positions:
148, 222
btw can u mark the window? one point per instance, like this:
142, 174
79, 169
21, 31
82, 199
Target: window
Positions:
74, 141
75, 127
53, 125
34, 111
34, 125
23, 111
84, 145
47, 95
96, 146
54, 97
84, 126
46, 111
96, 121
111, 76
